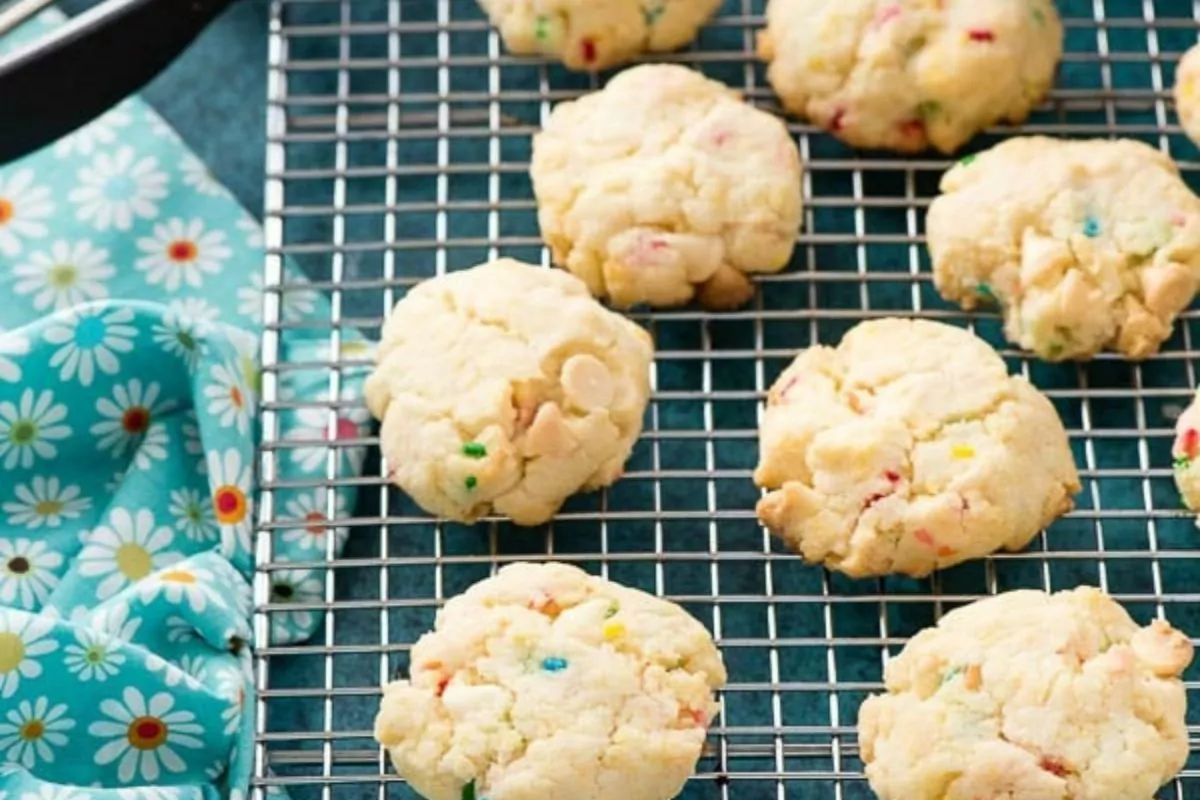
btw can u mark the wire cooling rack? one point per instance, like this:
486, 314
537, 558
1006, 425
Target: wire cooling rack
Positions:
399, 139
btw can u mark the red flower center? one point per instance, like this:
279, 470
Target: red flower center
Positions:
136, 419
182, 250
316, 523
146, 733
235, 397
346, 429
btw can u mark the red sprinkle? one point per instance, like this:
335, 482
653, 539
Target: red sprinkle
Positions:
892, 475
658, 244
835, 123
589, 50
441, 686
885, 14
1178, 220
699, 717
978, 35
1053, 766
945, 551
923, 536
1189, 441
913, 128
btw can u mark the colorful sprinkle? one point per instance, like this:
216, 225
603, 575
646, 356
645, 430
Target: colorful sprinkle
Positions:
1178, 219
973, 677
652, 13
442, 684
885, 15
980, 35
1039, 16
912, 128
468, 791
543, 28
698, 717
929, 109
471, 482
923, 536
837, 120
1054, 766
892, 475
1183, 462
613, 630
962, 451
589, 51
985, 291
554, 664
1091, 227
474, 450
951, 674
967, 161
945, 552
613, 608
1189, 441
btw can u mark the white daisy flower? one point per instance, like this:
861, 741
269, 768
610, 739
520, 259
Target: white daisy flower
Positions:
95, 657
183, 325
125, 551
30, 731
312, 425
115, 621
22, 641
24, 208
96, 135
180, 584
197, 175
29, 428
250, 299
237, 588
229, 399
27, 572
12, 343
130, 422
65, 275
158, 126
89, 340
232, 687
144, 735
114, 483
180, 630
116, 189
232, 503
45, 501
172, 674
181, 252
298, 303
310, 510
254, 232
294, 586
193, 516
150, 793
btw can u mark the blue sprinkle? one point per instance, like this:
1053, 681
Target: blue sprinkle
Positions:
554, 664
1091, 227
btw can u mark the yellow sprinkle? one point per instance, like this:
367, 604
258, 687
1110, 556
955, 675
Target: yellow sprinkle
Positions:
962, 451
817, 63
613, 630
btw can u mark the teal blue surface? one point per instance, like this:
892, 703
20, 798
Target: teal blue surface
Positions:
129, 377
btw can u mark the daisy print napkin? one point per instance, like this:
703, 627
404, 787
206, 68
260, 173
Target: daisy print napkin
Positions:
128, 386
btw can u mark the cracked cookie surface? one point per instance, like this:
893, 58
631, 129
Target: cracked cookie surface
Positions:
544, 682
664, 186
1187, 93
1030, 696
909, 74
908, 447
1085, 245
597, 34
506, 388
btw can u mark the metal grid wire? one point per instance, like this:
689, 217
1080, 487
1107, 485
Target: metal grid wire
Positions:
398, 149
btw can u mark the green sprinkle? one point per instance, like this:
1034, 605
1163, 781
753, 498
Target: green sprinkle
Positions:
952, 674
612, 611
653, 13
1183, 462
1055, 350
471, 482
1091, 227
1039, 16
474, 450
928, 109
543, 28
554, 664
967, 161
468, 792
985, 291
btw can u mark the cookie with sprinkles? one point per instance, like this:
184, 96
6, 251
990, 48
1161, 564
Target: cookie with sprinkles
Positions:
666, 187
907, 75
1184, 454
597, 34
1030, 696
908, 447
546, 682
505, 389
1082, 245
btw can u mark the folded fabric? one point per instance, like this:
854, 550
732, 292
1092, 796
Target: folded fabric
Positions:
128, 386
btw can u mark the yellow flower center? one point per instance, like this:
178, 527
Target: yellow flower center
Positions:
133, 561
12, 652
